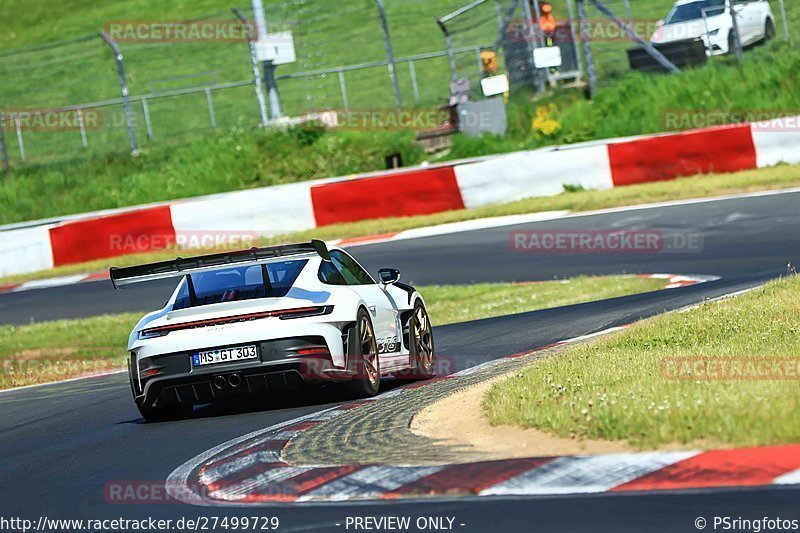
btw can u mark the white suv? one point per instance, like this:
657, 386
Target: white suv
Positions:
712, 21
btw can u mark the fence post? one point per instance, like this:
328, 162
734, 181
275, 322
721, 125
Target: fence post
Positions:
591, 73
262, 104
389, 53
574, 36
20, 140
124, 86
275, 111
211, 113
82, 125
413, 71
499, 11
785, 23
147, 124
451, 53
532, 37
737, 42
3, 151
343, 86
629, 12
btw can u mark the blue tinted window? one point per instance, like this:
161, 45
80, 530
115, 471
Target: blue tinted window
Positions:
240, 283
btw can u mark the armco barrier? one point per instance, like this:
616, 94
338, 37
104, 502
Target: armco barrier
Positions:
25, 250
725, 149
422, 190
126, 233
533, 173
266, 211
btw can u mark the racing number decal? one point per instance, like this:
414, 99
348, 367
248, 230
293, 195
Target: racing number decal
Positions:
387, 344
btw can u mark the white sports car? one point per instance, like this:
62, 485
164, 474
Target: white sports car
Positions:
268, 319
712, 21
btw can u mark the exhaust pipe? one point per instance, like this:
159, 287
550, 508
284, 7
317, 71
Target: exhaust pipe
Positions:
235, 381
219, 382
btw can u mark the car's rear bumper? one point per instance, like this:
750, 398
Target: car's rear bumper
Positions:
279, 366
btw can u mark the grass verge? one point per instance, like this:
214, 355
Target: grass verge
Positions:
689, 378
237, 157
50, 351
778, 177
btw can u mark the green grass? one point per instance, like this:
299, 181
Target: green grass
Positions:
459, 303
85, 72
49, 351
625, 387
694, 187
233, 161
240, 158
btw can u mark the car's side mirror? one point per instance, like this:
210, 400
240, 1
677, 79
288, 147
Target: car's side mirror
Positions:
659, 23
389, 276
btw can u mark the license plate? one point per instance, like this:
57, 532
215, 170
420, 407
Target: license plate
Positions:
224, 355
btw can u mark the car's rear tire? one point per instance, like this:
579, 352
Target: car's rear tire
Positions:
421, 345
163, 413
365, 363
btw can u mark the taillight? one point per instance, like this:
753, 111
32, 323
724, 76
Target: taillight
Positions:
151, 333
314, 351
283, 314
306, 312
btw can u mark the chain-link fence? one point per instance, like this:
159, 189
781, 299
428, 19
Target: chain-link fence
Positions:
63, 100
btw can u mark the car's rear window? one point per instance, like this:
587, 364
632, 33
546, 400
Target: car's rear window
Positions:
240, 283
694, 11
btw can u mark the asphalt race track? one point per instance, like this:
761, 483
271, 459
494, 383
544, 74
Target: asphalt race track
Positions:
744, 240
62, 443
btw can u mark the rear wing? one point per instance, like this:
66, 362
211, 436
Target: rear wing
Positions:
180, 267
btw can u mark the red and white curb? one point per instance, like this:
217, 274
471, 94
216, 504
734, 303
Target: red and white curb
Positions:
250, 470
675, 281
422, 190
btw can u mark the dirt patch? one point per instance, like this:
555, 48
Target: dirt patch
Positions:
459, 420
